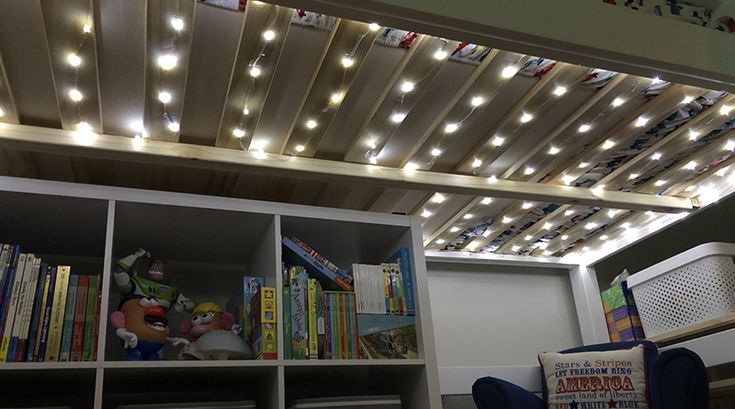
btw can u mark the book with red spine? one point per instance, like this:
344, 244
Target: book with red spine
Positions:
80, 312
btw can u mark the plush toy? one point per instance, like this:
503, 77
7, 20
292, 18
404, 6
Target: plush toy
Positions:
213, 335
141, 324
141, 275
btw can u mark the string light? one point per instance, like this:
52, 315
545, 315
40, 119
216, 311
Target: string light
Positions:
611, 213
618, 102
641, 121
633, 176
559, 91
260, 154
515, 248
238, 133
440, 241
454, 229
608, 144
373, 160
509, 71
564, 237
269, 35
436, 152
347, 61
410, 167
568, 179
590, 226
526, 205
245, 110
438, 198
492, 179
529, 170
83, 126
86, 28
528, 237
468, 216
177, 23
255, 71
311, 124
486, 200
583, 165
336, 97
656, 156
659, 183
725, 110
507, 219
440, 54
498, 140
553, 150
398, 117
548, 226
164, 97
526, 117
407, 86
690, 188
373, 27
477, 101
75, 95
656, 80
691, 165
693, 135
476, 163
569, 212
730, 145
167, 61
300, 148
74, 59
174, 126
687, 99
451, 127
584, 128
426, 213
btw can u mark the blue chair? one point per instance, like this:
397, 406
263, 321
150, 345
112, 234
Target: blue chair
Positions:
677, 380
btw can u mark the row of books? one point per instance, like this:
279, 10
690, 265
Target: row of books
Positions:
381, 289
48, 314
319, 266
323, 324
254, 307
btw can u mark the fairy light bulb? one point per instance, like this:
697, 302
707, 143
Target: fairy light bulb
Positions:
167, 61
83, 126
693, 135
347, 61
509, 71
398, 117
526, 205
560, 90
486, 200
553, 150
269, 35
426, 213
477, 101
526, 117
608, 144
529, 170
584, 128
300, 148
87, 28
498, 141
255, 71
436, 152
476, 163
454, 229
656, 156
245, 110
336, 97
177, 23
451, 127
74, 59
238, 133
174, 126
164, 97
407, 86
438, 198
618, 102
75, 95
687, 99
492, 179
641, 121
311, 124
373, 27
440, 54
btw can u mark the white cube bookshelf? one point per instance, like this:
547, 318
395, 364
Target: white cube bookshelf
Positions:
209, 243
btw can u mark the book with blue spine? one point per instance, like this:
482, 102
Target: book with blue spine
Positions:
239, 304
66, 331
403, 258
7, 288
12, 308
6, 251
323, 260
43, 340
37, 305
319, 270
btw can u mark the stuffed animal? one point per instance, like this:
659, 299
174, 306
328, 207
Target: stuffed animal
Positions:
213, 335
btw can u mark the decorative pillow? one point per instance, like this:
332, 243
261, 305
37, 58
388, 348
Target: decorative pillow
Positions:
595, 380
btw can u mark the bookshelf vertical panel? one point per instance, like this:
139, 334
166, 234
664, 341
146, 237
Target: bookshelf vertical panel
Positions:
99, 382
279, 286
106, 279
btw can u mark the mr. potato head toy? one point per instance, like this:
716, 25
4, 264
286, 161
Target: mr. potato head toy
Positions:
213, 335
141, 324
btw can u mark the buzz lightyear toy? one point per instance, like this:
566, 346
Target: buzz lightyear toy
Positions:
140, 275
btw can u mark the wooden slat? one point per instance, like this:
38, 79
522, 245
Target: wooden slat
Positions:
697, 330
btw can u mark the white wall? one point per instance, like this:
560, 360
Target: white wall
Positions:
487, 315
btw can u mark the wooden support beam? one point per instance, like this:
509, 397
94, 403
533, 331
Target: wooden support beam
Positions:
184, 155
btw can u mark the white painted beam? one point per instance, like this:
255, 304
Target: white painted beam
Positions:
589, 305
57, 141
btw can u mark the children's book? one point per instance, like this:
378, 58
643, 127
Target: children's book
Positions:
387, 336
263, 310
299, 316
239, 305
403, 258
57, 313
67, 329
89, 340
43, 339
38, 304
12, 305
286, 323
297, 255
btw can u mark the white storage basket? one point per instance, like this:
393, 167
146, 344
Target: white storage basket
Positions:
691, 287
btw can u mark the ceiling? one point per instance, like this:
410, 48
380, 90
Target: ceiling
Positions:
276, 81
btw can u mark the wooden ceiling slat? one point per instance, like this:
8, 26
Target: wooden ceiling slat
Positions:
7, 103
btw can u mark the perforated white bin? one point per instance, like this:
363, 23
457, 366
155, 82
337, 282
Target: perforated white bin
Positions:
691, 287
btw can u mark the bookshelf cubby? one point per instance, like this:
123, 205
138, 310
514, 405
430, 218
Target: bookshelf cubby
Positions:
208, 243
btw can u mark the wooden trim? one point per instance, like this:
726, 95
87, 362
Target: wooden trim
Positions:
697, 330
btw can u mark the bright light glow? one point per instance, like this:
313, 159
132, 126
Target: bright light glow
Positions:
608, 144
611, 213
487, 233
618, 102
498, 140
173, 126
75, 95
564, 237
476, 163
492, 179
373, 26
2, 113
548, 226
690, 188
87, 28
691, 165
585, 127
722, 172
238, 133
440, 241
656, 80
547, 253
468, 216
515, 248
410, 167
650, 213
656, 156
438, 198
436, 152
559, 91
83, 126
509, 71
528, 237
725, 110
269, 35
138, 142
85, 134
260, 154
451, 127
407, 86
526, 205
164, 97
426, 213
543, 245
626, 225
311, 124
440, 54
177, 23
569, 212
730, 145
245, 110
687, 99
633, 176
486, 200
507, 219
553, 150
138, 127
255, 71
641, 121
473, 245
591, 226
398, 117
477, 101
74, 59
347, 61
707, 195
659, 183
300, 148
373, 160
693, 135
336, 97
568, 179
583, 165
258, 144
167, 62
526, 117
454, 229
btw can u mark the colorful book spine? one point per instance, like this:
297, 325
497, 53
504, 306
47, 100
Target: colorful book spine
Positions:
320, 330
5, 250
239, 305
80, 312
328, 338
20, 338
343, 328
18, 321
337, 347
323, 260
10, 314
387, 289
88, 344
265, 344
57, 313
299, 317
96, 331
287, 323
313, 338
66, 331
403, 258
38, 302
7, 282
318, 268
355, 338
43, 339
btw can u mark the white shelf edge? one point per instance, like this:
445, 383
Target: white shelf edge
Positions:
317, 363
189, 364
42, 366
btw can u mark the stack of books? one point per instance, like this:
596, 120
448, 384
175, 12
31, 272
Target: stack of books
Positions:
254, 307
325, 306
47, 313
